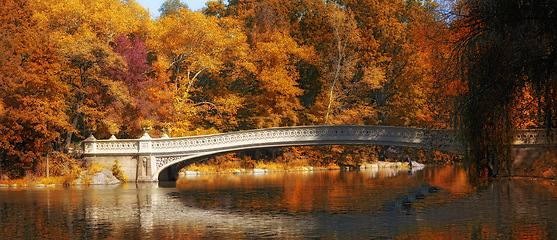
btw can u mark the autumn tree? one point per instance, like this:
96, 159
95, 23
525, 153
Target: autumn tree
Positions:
215, 8
444, 90
171, 7
84, 32
273, 85
150, 97
89, 59
506, 46
201, 55
344, 58
389, 51
348, 79
32, 97
425, 92
224, 90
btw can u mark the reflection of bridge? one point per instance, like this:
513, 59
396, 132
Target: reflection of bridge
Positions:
144, 159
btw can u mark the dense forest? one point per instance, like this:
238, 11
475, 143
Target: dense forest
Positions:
70, 67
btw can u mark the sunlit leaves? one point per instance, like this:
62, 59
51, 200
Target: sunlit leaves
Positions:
275, 56
241, 65
190, 46
342, 59
33, 99
215, 8
105, 18
385, 27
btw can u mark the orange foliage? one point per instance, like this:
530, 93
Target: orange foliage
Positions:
527, 109
435, 42
32, 98
71, 65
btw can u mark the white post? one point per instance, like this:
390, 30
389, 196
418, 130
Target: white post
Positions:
90, 145
145, 148
145, 143
47, 167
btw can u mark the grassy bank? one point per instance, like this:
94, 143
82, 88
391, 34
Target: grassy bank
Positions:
31, 181
69, 177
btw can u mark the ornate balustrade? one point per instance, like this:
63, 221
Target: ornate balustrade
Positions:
288, 136
532, 137
445, 140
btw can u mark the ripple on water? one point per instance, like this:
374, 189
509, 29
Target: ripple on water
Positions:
433, 203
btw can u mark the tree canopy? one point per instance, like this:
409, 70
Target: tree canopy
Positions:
74, 66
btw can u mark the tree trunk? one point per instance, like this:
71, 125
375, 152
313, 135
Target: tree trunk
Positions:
340, 52
79, 104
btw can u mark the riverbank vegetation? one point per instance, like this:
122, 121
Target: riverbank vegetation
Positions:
305, 158
88, 174
74, 67
233, 163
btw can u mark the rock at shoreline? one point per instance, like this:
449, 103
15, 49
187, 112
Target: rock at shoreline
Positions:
104, 177
417, 164
257, 170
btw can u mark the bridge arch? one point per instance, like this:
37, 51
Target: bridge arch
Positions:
445, 140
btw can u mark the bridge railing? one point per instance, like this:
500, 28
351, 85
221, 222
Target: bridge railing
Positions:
305, 135
293, 136
446, 140
533, 137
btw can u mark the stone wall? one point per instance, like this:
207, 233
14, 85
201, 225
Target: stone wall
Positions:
128, 164
527, 160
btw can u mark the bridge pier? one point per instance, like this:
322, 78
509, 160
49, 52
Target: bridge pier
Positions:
136, 168
145, 168
146, 162
525, 157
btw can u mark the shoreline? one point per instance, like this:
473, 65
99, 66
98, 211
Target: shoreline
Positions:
374, 165
36, 184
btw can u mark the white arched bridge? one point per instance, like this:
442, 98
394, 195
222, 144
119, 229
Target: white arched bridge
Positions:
145, 158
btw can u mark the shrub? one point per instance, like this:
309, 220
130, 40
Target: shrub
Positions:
247, 163
118, 173
273, 166
95, 168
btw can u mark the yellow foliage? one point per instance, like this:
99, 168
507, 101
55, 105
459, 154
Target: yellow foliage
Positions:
201, 167
275, 57
53, 180
272, 166
106, 18
118, 173
95, 168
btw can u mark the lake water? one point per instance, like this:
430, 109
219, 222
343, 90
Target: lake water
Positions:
433, 203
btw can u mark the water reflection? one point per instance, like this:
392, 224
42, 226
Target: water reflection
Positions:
302, 192
507, 209
437, 203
